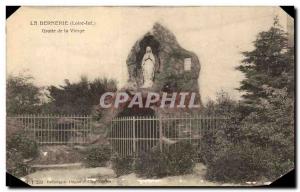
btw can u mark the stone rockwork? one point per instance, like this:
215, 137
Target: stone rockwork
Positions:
170, 74
175, 70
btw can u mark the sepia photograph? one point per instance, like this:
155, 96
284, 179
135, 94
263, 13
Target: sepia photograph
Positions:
150, 96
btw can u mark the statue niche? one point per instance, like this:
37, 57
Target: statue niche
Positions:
175, 68
147, 61
148, 66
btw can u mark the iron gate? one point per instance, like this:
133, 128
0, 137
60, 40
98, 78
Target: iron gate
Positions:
130, 136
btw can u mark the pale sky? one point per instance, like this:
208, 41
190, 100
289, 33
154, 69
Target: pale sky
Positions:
216, 34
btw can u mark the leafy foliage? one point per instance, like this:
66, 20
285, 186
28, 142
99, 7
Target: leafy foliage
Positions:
181, 158
260, 142
178, 159
80, 97
122, 165
270, 91
23, 144
272, 126
15, 164
22, 96
271, 64
237, 163
152, 164
18, 148
97, 156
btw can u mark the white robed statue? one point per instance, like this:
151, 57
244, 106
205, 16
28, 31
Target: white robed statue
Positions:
148, 65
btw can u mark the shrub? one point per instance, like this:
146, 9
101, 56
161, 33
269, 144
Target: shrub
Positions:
181, 158
97, 156
23, 144
178, 159
240, 163
19, 148
122, 165
15, 164
152, 164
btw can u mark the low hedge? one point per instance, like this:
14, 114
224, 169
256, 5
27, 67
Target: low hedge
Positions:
122, 165
97, 156
176, 159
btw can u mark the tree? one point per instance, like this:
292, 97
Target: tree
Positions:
269, 87
22, 96
271, 63
223, 106
79, 97
271, 129
262, 145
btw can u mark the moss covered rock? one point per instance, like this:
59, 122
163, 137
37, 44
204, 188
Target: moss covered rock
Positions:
170, 74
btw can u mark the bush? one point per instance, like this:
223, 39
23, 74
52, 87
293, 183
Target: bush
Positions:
179, 159
122, 165
152, 164
97, 156
246, 162
20, 147
15, 164
23, 144
237, 164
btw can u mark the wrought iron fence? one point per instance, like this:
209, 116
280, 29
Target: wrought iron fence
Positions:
54, 129
131, 136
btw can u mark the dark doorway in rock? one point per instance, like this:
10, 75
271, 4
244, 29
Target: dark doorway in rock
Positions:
170, 87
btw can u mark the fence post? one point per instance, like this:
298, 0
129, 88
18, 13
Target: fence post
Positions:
134, 138
34, 136
160, 134
110, 133
191, 129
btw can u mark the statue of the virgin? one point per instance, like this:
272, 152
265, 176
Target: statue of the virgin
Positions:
148, 66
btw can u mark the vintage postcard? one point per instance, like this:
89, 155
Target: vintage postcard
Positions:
150, 96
